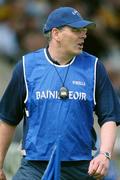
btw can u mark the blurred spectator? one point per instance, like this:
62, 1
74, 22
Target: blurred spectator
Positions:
1, 2
38, 8
9, 46
113, 68
32, 41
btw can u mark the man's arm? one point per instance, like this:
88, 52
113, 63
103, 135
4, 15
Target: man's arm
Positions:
99, 165
108, 136
107, 110
11, 111
6, 135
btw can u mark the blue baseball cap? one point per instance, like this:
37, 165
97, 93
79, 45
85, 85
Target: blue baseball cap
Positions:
65, 16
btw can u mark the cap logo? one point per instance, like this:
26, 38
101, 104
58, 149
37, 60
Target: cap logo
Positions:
75, 12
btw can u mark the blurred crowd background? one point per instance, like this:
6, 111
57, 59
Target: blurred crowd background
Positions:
21, 24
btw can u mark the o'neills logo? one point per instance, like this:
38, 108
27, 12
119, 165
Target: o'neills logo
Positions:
55, 95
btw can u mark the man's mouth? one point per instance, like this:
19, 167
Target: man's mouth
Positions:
80, 44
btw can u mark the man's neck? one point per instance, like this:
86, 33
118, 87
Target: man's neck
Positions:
58, 57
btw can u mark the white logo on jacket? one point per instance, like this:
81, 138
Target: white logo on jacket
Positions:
55, 95
79, 83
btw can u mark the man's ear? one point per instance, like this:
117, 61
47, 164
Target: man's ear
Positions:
55, 34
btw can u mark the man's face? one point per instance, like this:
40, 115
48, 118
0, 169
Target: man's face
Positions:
72, 39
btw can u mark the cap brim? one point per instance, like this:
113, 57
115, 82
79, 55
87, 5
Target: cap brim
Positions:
78, 24
82, 24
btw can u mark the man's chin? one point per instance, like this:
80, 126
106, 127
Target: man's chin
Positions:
78, 52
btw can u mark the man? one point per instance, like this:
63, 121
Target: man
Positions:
56, 90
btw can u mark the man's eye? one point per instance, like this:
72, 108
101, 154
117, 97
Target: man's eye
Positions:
75, 30
79, 30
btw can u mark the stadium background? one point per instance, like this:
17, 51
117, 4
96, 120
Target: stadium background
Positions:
21, 23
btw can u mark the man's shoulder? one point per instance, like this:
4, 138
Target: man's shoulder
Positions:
18, 67
87, 58
86, 54
34, 53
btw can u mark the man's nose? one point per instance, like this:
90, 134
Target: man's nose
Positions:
83, 35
